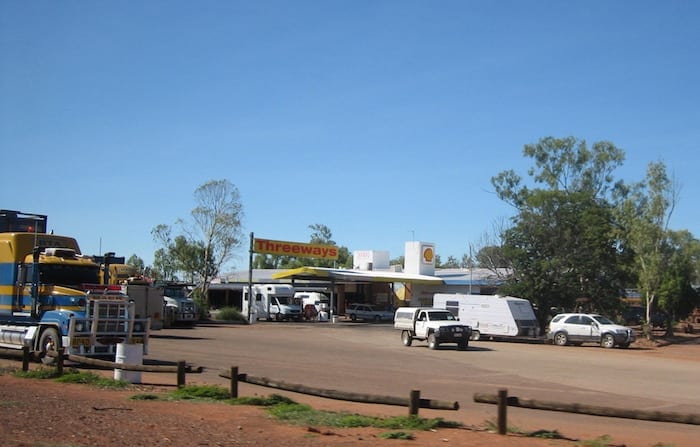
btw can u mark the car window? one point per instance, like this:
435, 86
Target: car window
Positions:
574, 319
586, 320
557, 318
602, 320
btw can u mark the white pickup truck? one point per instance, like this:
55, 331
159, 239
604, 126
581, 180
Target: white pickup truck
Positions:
437, 326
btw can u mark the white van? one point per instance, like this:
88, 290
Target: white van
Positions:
320, 301
314, 305
271, 301
493, 316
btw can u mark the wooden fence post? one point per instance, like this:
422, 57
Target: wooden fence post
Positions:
234, 382
181, 373
414, 403
25, 359
59, 362
502, 411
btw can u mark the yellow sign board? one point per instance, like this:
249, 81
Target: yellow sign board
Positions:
298, 249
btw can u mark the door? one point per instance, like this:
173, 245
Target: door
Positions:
422, 324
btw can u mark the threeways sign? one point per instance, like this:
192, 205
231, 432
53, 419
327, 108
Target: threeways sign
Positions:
297, 249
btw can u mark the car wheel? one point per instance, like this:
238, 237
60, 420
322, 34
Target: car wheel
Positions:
278, 316
607, 341
377, 318
561, 339
432, 341
463, 345
476, 335
406, 338
353, 317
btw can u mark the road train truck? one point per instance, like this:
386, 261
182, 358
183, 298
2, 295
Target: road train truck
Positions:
50, 296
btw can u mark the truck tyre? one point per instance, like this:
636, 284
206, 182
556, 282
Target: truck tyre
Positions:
463, 345
476, 335
607, 341
432, 341
406, 338
49, 342
278, 316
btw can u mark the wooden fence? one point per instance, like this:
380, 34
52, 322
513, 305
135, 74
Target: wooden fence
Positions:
503, 401
413, 402
181, 368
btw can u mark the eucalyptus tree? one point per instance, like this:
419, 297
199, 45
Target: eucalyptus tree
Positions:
210, 239
664, 261
562, 244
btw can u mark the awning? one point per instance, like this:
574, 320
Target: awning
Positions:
345, 275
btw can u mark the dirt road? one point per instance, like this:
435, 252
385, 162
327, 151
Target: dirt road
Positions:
369, 358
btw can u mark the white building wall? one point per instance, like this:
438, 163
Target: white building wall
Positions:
419, 258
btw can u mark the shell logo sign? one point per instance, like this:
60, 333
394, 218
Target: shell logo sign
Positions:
428, 254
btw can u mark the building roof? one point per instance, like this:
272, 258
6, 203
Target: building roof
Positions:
346, 275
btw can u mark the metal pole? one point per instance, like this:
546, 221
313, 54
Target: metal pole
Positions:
250, 277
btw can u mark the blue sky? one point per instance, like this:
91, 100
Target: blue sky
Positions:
383, 120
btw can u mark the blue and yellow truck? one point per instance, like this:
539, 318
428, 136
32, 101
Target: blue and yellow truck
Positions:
51, 296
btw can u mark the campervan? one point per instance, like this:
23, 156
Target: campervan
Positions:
314, 305
491, 316
271, 301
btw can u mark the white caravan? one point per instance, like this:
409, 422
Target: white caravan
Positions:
492, 316
272, 301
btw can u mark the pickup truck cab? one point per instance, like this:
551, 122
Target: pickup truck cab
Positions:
437, 326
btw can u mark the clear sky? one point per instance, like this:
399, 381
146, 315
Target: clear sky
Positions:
383, 120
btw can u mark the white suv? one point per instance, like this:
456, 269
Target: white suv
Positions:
581, 328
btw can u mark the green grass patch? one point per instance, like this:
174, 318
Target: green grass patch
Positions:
39, 373
202, 392
145, 396
601, 441
299, 414
92, 379
73, 376
264, 401
407, 436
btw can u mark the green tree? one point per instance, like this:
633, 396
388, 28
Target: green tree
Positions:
645, 211
451, 263
137, 263
562, 243
677, 296
208, 242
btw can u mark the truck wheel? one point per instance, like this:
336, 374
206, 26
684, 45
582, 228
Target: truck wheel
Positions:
278, 316
406, 338
463, 345
49, 342
608, 341
476, 335
432, 342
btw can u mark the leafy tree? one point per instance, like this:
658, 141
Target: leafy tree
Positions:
676, 294
562, 245
451, 263
137, 263
209, 241
645, 211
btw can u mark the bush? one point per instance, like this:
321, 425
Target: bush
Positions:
230, 314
